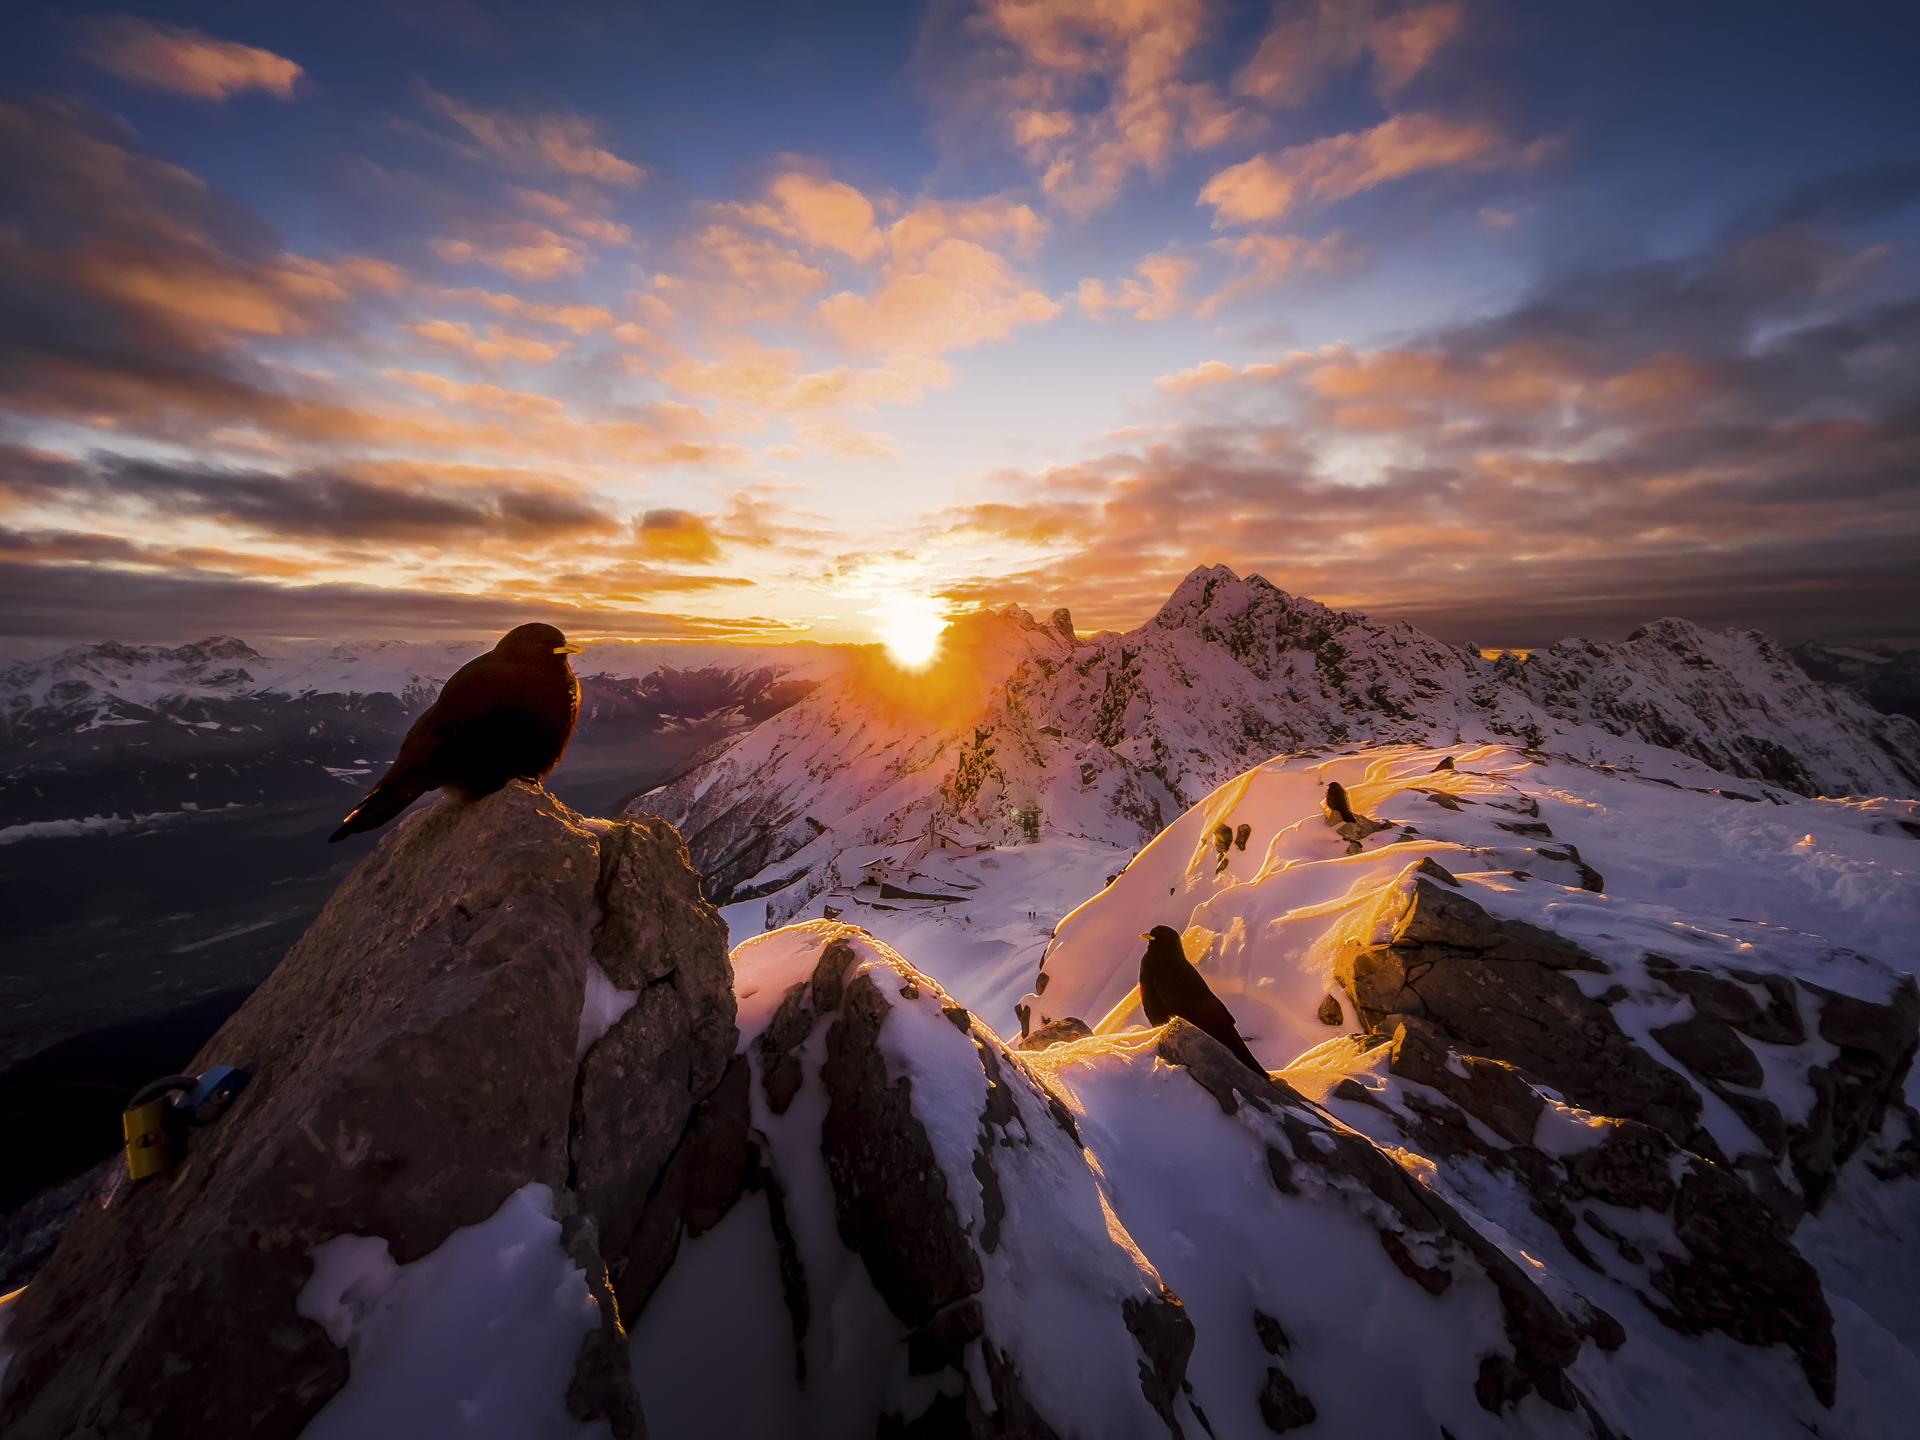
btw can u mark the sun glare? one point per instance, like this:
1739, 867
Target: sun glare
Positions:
910, 627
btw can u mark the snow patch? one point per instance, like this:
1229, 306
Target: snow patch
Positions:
477, 1338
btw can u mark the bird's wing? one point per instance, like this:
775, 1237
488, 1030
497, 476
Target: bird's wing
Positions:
1187, 994
465, 698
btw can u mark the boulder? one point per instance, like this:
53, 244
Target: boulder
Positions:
502, 995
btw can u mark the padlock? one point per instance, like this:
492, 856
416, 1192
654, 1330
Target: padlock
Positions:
156, 1118
152, 1131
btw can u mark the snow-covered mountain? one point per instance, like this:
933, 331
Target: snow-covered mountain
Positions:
1021, 727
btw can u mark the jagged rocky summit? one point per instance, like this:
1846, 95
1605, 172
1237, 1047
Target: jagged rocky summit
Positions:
1114, 736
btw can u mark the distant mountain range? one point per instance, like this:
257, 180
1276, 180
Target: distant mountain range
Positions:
112, 734
1886, 678
1112, 737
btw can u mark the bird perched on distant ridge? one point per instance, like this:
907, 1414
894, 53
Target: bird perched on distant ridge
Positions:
505, 715
1170, 986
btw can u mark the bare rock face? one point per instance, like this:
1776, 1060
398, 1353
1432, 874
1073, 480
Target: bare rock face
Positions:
1483, 1043
1501, 989
1702, 1250
416, 1060
1504, 991
935, 1244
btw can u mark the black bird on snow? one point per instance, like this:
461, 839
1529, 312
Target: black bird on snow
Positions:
506, 715
1337, 801
1170, 986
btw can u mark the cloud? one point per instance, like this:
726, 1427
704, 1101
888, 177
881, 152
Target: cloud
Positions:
1403, 44
1152, 292
676, 535
1309, 46
1616, 446
1209, 373
1267, 187
366, 502
827, 435
939, 277
558, 143
945, 284
186, 62
1089, 92
583, 214
110, 246
750, 277
495, 344
1261, 261
91, 602
522, 404
773, 380
823, 213
534, 254
580, 319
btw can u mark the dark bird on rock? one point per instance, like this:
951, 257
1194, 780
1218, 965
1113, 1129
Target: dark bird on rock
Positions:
506, 715
1337, 801
1170, 986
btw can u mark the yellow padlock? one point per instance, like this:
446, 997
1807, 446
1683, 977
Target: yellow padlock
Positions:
150, 1144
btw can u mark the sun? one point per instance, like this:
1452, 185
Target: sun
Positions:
910, 627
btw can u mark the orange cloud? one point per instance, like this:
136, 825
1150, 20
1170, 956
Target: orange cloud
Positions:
944, 285
1268, 186
1152, 292
187, 62
771, 379
1403, 44
524, 404
580, 319
822, 213
1130, 60
567, 144
585, 216
1262, 261
829, 436
496, 344
1309, 46
537, 255
676, 535
1218, 372
752, 278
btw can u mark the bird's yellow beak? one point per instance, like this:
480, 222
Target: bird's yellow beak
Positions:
566, 649
1146, 935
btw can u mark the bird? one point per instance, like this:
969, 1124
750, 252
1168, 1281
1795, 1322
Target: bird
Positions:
1337, 802
505, 715
1170, 986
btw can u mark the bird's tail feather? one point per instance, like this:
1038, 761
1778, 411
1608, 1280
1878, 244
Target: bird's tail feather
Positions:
382, 803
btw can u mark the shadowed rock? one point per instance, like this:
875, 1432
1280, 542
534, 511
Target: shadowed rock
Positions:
416, 1061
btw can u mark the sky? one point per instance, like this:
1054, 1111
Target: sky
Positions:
726, 322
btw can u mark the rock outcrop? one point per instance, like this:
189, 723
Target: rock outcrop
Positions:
504, 995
